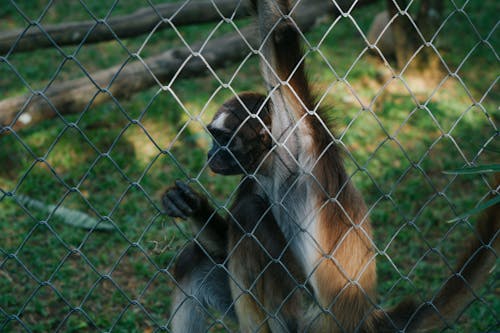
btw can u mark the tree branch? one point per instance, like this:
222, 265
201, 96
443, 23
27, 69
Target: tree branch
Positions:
140, 22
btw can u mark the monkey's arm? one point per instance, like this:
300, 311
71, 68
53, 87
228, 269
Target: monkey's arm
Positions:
181, 201
282, 64
282, 59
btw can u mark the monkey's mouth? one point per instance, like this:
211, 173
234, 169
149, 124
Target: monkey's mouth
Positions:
217, 166
224, 165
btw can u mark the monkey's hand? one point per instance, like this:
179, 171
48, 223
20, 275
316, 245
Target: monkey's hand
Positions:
181, 201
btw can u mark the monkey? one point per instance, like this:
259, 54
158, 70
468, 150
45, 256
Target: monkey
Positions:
295, 253
244, 234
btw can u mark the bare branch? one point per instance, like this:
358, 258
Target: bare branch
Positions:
75, 95
140, 22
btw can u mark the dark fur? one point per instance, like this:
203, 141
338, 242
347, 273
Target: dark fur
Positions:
263, 275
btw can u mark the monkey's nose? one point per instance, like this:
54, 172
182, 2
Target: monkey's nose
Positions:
211, 153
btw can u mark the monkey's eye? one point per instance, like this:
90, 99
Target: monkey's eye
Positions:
216, 132
222, 137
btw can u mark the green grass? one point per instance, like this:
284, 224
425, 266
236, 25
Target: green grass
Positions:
48, 268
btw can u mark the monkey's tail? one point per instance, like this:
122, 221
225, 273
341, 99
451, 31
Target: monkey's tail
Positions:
472, 271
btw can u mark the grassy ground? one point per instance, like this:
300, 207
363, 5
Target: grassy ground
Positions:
55, 276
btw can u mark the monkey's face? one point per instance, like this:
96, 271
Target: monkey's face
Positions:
240, 138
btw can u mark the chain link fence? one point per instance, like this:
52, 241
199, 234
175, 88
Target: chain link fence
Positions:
104, 104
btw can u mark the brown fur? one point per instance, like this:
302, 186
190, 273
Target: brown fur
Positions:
262, 289
344, 232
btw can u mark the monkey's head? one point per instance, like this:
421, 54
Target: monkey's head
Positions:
240, 137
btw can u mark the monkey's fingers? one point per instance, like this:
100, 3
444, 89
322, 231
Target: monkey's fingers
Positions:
180, 202
170, 207
188, 192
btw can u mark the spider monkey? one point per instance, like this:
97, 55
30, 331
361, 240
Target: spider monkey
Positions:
235, 267
295, 252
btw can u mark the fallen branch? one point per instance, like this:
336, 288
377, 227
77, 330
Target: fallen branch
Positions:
76, 95
140, 22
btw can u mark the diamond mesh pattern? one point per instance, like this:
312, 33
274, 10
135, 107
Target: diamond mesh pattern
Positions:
112, 155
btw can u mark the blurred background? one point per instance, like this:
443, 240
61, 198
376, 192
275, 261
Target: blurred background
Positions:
104, 103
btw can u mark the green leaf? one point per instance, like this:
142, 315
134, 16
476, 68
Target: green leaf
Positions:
478, 209
69, 216
471, 170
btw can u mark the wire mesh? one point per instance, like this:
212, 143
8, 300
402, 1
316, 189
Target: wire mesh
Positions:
119, 136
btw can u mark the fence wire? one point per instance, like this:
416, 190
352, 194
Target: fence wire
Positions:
85, 243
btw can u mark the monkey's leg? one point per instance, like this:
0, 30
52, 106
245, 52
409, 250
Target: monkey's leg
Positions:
246, 262
203, 288
262, 289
